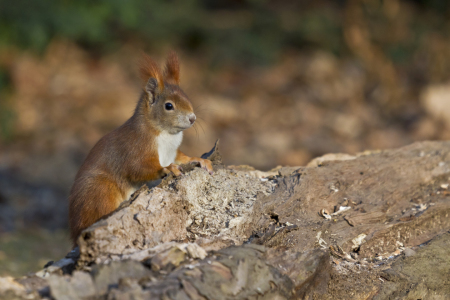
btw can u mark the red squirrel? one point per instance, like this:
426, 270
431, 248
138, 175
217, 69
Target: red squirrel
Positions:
143, 149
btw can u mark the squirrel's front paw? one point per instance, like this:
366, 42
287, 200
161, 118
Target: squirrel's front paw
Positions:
204, 163
175, 169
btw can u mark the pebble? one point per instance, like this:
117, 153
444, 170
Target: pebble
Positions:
409, 252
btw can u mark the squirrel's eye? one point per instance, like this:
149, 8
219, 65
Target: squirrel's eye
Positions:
169, 106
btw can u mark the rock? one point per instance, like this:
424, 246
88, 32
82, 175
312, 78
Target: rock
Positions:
378, 186
108, 275
199, 207
409, 252
288, 171
167, 260
234, 235
423, 275
234, 273
318, 161
310, 271
10, 289
436, 100
155, 216
194, 251
36, 285
82, 285
78, 286
129, 289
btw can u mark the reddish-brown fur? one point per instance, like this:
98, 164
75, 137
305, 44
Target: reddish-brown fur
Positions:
127, 157
150, 69
172, 71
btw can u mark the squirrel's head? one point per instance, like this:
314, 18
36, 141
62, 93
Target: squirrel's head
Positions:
164, 103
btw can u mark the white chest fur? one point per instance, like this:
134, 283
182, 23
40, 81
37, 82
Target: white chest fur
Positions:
167, 147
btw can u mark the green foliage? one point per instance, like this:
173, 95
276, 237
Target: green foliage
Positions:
247, 30
6, 112
250, 31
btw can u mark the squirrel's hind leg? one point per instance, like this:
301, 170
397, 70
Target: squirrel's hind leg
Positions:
101, 199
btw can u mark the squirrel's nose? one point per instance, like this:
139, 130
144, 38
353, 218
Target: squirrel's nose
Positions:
192, 118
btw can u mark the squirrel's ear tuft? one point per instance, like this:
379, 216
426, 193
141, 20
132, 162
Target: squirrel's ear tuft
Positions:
172, 70
149, 69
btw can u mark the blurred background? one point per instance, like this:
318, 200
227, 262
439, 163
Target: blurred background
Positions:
279, 82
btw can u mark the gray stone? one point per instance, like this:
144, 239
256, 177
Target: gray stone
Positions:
79, 286
108, 275
409, 252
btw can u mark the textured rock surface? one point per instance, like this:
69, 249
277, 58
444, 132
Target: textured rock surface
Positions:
343, 228
212, 210
424, 274
154, 217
